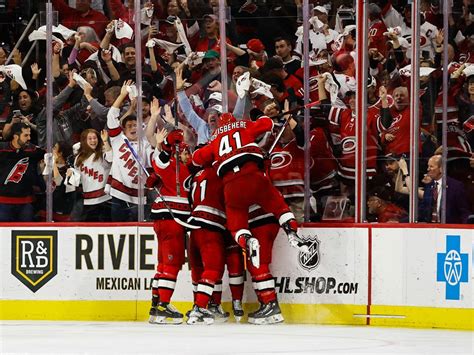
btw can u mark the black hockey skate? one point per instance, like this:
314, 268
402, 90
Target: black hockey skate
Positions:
165, 313
200, 315
220, 315
268, 313
237, 309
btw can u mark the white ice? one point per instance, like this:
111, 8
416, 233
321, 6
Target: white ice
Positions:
143, 338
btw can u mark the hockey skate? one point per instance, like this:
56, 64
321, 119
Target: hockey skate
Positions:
220, 315
165, 313
200, 315
294, 239
238, 310
268, 313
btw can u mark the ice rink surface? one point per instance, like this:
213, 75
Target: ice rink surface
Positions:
143, 338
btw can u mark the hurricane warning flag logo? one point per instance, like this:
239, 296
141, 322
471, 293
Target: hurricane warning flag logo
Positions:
311, 259
34, 257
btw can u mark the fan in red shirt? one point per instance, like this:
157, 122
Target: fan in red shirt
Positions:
239, 162
82, 15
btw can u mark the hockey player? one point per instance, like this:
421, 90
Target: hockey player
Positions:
234, 261
206, 245
264, 226
170, 234
18, 174
239, 161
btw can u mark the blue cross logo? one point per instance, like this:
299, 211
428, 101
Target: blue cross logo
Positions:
452, 267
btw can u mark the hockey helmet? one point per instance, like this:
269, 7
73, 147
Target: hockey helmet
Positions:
225, 118
175, 137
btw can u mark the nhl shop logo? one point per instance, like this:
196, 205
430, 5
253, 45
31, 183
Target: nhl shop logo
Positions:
34, 257
310, 260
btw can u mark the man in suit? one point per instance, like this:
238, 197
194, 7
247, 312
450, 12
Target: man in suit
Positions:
457, 204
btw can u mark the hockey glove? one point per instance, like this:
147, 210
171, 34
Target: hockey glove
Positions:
295, 242
152, 181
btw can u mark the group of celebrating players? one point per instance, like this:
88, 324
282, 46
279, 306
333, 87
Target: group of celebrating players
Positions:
222, 194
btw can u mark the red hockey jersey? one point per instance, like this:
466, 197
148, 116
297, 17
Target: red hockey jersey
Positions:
287, 169
165, 167
207, 197
343, 131
233, 145
324, 164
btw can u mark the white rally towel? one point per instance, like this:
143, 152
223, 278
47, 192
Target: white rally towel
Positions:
182, 36
79, 80
261, 88
41, 35
147, 15
116, 56
13, 71
122, 29
424, 71
193, 59
132, 91
243, 84
332, 86
169, 47
62, 30
468, 70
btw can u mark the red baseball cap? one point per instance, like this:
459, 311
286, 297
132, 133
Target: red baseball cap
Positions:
255, 45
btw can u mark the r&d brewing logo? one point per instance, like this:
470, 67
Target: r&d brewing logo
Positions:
311, 259
34, 257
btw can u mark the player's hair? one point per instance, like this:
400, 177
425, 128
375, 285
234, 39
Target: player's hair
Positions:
85, 151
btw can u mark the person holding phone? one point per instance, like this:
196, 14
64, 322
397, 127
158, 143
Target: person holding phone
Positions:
25, 111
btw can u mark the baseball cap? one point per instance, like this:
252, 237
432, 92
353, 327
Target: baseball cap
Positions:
215, 96
321, 9
255, 45
212, 16
210, 54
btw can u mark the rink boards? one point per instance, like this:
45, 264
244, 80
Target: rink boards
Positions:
403, 275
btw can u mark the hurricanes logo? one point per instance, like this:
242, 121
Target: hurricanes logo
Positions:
310, 260
17, 172
281, 160
34, 257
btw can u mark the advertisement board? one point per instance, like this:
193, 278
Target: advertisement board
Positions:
421, 267
366, 274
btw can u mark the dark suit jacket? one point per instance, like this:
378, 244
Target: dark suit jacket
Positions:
457, 204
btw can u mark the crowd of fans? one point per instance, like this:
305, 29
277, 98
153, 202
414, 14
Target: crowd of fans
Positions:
95, 100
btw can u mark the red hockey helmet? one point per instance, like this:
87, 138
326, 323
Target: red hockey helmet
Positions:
174, 137
183, 146
225, 118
